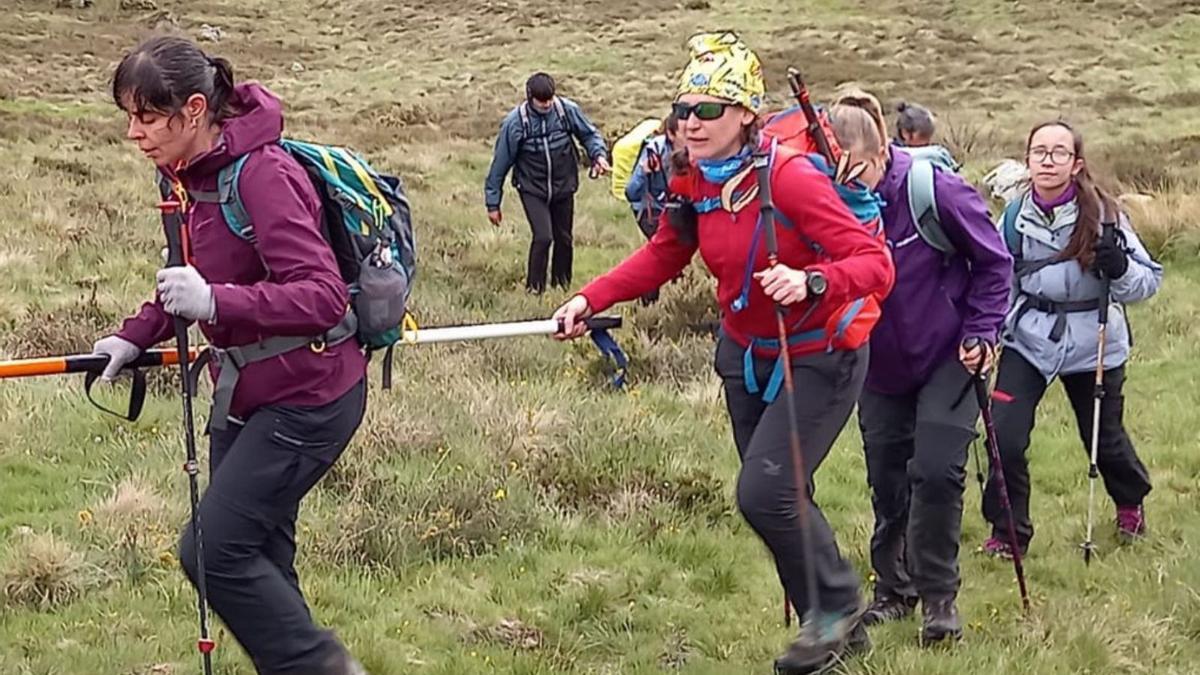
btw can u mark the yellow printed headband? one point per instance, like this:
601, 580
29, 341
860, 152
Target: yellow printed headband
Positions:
721, 65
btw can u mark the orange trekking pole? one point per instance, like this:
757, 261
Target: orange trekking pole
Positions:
92, 365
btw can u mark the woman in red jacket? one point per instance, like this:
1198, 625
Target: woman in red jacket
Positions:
290, 416
828, 263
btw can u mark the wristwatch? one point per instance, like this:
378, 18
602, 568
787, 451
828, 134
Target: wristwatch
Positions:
817, 283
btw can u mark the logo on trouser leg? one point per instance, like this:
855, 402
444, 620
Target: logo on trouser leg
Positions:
771, 468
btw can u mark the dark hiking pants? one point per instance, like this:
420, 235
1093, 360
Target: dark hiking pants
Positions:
1019, 389
916, 449
826, 386
260, 471
551, 223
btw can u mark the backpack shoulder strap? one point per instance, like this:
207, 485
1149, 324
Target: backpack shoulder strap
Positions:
922, 206
1008, 227
164, 185
232, 207
562, 115
523, 111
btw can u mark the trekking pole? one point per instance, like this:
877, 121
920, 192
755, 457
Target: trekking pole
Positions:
978, 468
86, 363
1107, 233
980, 378
173, 223
800, 91
93, 366
762, 165
414, 335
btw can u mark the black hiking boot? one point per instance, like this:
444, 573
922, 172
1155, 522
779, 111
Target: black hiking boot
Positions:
823, 644
885, 608
342, 663
940, 621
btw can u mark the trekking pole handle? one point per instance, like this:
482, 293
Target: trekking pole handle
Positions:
971, 343
1108, 233
800, 91
596, 323
173, 224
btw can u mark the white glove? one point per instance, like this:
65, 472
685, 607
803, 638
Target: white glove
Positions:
119, 352
185, 293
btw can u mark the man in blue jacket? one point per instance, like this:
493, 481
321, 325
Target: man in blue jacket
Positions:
537, 142
938, 326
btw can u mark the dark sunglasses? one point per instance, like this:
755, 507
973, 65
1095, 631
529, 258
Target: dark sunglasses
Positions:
708, 110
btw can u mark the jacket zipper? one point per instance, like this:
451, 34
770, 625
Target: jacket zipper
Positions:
549, 162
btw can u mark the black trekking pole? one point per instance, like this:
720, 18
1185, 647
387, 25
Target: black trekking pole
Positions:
172, 217
1107, 233
985, 409
762, 165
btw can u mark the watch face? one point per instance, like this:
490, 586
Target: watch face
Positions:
816, 283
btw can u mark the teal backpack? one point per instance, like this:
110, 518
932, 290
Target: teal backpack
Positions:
368, 224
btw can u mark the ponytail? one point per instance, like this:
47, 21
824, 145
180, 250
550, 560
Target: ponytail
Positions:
161, 73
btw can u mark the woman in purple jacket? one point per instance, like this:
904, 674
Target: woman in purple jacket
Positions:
938, 327
290, 416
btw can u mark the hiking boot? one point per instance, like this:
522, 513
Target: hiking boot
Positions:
823, 644
342, 663
885, 608
940, 621
1131, 523
997, 548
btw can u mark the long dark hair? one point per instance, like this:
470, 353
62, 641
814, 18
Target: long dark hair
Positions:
1088, 195
162, 72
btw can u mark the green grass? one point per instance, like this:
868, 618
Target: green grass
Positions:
502, 510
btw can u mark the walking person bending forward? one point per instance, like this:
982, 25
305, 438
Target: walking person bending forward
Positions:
290, 416
717, 104
939, 326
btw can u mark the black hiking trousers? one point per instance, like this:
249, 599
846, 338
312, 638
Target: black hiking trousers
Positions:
826, 385
916, 450
551, 222
259, 473
1019, 389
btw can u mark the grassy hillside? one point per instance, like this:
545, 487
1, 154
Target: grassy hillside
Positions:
502, 510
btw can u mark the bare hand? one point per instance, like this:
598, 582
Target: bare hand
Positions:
600, 167
571, 318
977, 356
495, 217
784, 284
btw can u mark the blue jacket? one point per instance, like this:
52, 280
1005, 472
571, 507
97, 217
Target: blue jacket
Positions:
540, 149
647, 190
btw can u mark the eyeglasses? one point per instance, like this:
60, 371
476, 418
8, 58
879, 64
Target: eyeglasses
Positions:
708, 110
1058, 156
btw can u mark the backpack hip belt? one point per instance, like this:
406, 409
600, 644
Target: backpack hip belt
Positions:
1058, 309
231, 361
